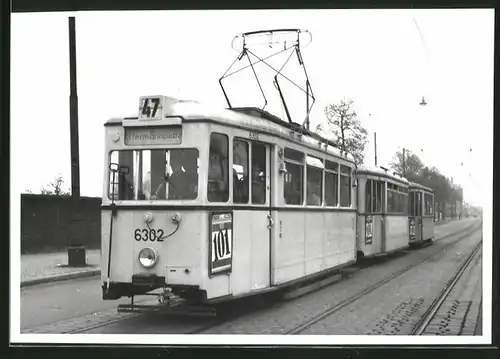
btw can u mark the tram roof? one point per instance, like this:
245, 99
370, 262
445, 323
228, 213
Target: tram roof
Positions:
377, 171
248, 118
419, 186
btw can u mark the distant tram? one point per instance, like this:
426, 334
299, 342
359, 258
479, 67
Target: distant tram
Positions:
421, 214
383, 212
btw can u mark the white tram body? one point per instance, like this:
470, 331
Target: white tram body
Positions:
382, 210
217, 204
421, 213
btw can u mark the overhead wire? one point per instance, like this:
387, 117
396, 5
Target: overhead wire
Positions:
425, 65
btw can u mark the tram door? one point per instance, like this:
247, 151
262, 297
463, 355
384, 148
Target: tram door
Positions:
381, 190
419, 226
260, 221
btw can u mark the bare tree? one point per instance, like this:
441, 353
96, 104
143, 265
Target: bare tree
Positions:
55, 188
411, 166
343, 124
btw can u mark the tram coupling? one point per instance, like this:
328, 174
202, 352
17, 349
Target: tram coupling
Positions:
169, 304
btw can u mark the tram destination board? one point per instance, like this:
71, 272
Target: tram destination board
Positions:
221, 243
153, 136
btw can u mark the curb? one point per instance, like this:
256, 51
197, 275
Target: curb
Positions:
61, 277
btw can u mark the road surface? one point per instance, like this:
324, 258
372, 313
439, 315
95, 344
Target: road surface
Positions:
52, 302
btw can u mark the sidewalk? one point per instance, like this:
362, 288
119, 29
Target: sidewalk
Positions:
51, 267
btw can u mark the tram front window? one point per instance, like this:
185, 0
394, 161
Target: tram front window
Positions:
155, 175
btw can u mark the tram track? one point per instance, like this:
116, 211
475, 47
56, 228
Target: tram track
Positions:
434, 308
468, 231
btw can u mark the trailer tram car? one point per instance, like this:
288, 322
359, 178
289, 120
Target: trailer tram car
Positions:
421, 214
217, 204
383, 212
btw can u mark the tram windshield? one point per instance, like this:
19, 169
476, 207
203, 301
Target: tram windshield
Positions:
155, 175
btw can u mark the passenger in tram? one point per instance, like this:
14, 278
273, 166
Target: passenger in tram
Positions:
217, 176
126, 188
240, 187
180, 186
313, 188
313, 199
258, 184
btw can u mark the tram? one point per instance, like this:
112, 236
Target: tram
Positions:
213, 204
219, 204
421, 214
382, 212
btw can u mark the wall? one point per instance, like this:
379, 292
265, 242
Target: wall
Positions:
52, 223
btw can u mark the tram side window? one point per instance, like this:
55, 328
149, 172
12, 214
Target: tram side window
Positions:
258, 173
314, 181
331, 183
345, 186
396, 200
418, 204
411, 204
375, 194
293, 188
380, 196
404, 204
240, 171
368, 196
389, 198
218, 177
428, 204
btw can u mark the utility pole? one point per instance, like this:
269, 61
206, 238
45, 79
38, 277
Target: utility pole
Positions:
404, 162
73, 113
342, 131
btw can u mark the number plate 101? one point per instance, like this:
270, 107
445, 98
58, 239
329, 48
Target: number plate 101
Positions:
221, 243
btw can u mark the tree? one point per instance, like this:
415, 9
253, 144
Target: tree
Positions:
411, 167
444, 190
55, 188
431, 177
343, 124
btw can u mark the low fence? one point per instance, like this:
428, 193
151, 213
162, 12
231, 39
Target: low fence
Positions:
52, 223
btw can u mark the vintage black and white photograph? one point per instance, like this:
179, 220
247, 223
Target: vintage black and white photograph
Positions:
252, 174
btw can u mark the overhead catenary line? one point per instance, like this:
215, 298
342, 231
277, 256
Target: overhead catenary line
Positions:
424, 45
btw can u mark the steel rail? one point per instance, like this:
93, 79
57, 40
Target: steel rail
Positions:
424, 322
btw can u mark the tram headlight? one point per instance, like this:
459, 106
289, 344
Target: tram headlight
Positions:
148, 257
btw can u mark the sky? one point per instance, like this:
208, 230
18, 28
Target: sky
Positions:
375, 57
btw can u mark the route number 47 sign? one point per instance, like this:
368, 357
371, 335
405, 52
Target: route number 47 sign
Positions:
221, 242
